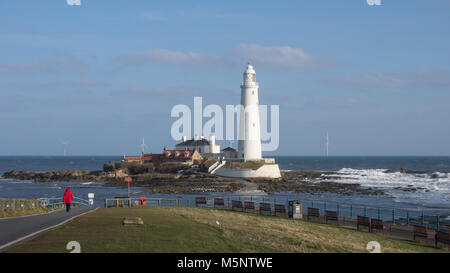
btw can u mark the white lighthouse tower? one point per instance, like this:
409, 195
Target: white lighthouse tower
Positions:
249, 145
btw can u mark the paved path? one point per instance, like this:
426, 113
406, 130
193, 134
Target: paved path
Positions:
19, 229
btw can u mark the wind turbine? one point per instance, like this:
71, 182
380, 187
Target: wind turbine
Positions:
231, 143
143, 146
65, 144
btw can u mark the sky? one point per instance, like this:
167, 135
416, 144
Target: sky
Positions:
103, 74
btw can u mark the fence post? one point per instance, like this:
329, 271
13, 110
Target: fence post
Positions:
438, 222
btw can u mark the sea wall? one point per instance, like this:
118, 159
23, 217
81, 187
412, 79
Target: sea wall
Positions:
265, 171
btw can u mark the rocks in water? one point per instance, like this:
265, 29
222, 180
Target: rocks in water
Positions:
74, 176
197, 181
316, 187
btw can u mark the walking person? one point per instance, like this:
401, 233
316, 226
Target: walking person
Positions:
67, 199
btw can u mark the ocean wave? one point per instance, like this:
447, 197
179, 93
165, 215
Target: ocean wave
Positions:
14, 181
421, 188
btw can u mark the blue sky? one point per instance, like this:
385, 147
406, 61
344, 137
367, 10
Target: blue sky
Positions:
103, 74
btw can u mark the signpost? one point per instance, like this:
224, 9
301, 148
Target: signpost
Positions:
128, 179
91, 198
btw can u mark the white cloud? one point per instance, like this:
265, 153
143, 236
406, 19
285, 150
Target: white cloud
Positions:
431, 79
270, 56
44, 66
153, 16
279, 56
165, 56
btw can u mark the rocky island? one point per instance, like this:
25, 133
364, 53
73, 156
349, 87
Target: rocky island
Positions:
178, 178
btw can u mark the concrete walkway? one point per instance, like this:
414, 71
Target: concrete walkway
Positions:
20, 229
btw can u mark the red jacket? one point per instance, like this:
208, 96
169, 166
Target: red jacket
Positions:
68, 196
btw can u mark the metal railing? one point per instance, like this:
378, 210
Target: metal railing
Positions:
395, 216
130, 202
20, 204
56, 202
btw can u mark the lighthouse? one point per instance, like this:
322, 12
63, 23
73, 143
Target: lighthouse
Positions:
249, 145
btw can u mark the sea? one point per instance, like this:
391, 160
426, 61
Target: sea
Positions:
410, 183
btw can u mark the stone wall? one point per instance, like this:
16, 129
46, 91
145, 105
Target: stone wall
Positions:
265, 171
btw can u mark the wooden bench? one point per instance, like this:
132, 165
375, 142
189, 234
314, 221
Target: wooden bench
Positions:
265, 207
236, 205
442, 237
313, 212
219, 202
363, 221
249, 206
377, 224
331, 216
280, 209
200, 201
420, 232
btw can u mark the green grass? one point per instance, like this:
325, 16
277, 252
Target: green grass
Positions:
180, 229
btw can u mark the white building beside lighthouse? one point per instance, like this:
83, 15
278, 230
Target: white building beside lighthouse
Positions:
249, 144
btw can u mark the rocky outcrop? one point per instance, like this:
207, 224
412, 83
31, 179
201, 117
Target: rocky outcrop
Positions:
181, 179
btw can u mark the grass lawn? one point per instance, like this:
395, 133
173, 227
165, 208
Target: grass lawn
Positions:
183, 229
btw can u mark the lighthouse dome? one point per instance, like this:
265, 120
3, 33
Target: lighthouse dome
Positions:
250, 69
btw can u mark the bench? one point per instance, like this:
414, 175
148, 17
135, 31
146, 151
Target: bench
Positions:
420, 232
219, 202
265, 207
236, 205
313, 212
249, 206
442, 237
377, 224
331, 216
363, 221
280, 209
200, 201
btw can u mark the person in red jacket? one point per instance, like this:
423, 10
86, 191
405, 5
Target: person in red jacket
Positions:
67, 199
